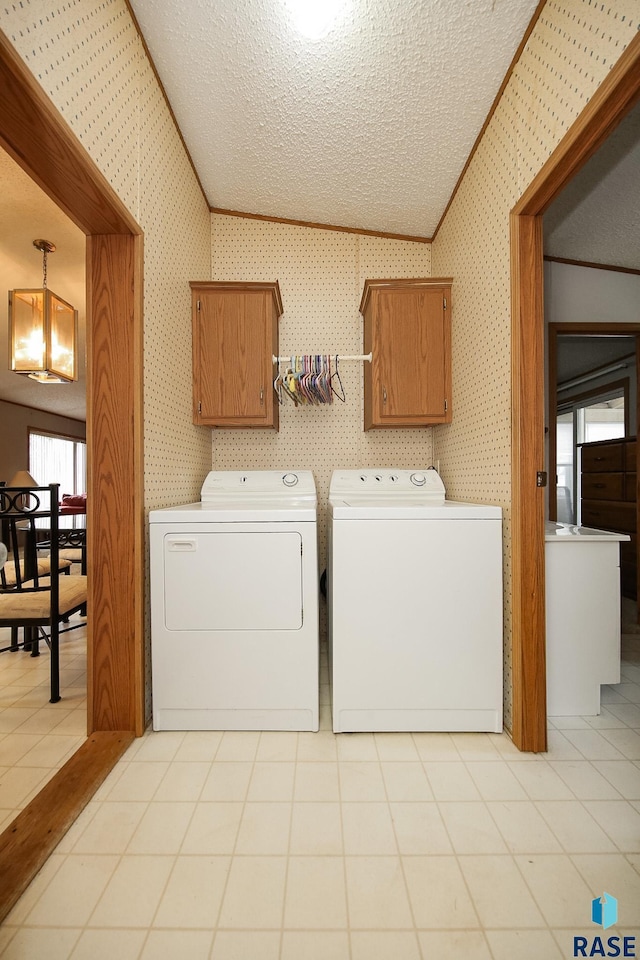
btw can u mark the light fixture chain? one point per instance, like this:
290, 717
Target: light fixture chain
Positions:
44, 269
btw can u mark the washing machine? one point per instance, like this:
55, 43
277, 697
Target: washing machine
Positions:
415, 605
234, 605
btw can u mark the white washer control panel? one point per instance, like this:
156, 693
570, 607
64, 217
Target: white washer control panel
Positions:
388, 483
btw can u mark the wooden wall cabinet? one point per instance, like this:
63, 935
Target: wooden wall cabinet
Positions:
608, 498
408, 331
235, 337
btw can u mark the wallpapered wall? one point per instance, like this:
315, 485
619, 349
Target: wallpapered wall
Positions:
321, 274
88, 57
572, 48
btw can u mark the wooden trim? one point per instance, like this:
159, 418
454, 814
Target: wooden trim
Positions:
31, 129
494, 107
401, 283
34, 834
529, 726
240, 285
592, 266
320, 226
114, 509
613, 99
35, 135
165, 97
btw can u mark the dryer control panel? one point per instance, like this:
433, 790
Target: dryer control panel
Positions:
388, 483
258, 485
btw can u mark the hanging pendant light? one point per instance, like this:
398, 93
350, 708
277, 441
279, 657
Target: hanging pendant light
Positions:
43, 330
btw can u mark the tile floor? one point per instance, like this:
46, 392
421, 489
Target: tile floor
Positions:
299, 846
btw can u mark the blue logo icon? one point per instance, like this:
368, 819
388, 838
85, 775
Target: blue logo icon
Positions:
604, 910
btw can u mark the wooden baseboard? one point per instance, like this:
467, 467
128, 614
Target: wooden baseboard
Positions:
29, 839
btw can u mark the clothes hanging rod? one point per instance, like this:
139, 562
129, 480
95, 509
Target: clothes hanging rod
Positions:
360, 356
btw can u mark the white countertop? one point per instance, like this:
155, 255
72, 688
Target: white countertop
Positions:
568, 532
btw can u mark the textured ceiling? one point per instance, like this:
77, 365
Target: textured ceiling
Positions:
368, 127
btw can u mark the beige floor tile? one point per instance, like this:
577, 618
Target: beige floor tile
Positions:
438, 893
162, 828
626, 741
52, 943
18, 783
14, 747
118, 907
471, 828
576, 830
606, 720
454, 944
584, 780
34, 891
376, 894
315, 896
540, 780
277, 745
619, 820
199, 746
159, 745
419, 828
183, 781
629, 713
396, 746
316, 781
368, 829
194, 893
406, 781
623, 775
139, 781
213, 828
523, 828
523, 945
107, 944
15, 718
227, 781
612, 872
436, 746
593, 745
238, 745
169, 944
244, 945
499, 893
561, 894
46, 719
264, 829
316, 828
475, 746
560, 747
73, 892
361, 781
254, 897
495, 781
357, 746
383, 945
110, 828
317, 746
315, 945
272, 781
451, 781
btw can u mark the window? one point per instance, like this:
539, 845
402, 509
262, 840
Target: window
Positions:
57, 459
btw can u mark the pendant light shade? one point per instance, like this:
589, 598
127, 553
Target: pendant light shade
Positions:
43, 331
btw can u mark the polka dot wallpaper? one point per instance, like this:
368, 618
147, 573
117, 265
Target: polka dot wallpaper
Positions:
572, 48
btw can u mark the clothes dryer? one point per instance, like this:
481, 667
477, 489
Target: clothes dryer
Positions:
415, 605
234, 605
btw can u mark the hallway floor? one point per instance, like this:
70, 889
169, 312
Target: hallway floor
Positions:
300, 846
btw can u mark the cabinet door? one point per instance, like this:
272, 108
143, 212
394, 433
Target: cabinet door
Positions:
411, 356
233, 332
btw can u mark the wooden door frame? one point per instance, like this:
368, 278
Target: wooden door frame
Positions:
33, 132
613, 99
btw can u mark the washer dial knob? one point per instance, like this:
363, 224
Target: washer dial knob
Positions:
418, 479
290, 479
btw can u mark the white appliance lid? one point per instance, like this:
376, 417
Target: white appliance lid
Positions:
360, 508
569, 533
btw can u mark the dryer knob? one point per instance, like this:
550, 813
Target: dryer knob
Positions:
290, 479
418, 479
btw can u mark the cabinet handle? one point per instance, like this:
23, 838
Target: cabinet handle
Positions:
261, 396
384, 394
599, 486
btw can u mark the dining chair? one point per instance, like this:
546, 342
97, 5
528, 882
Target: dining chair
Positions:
34, 600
